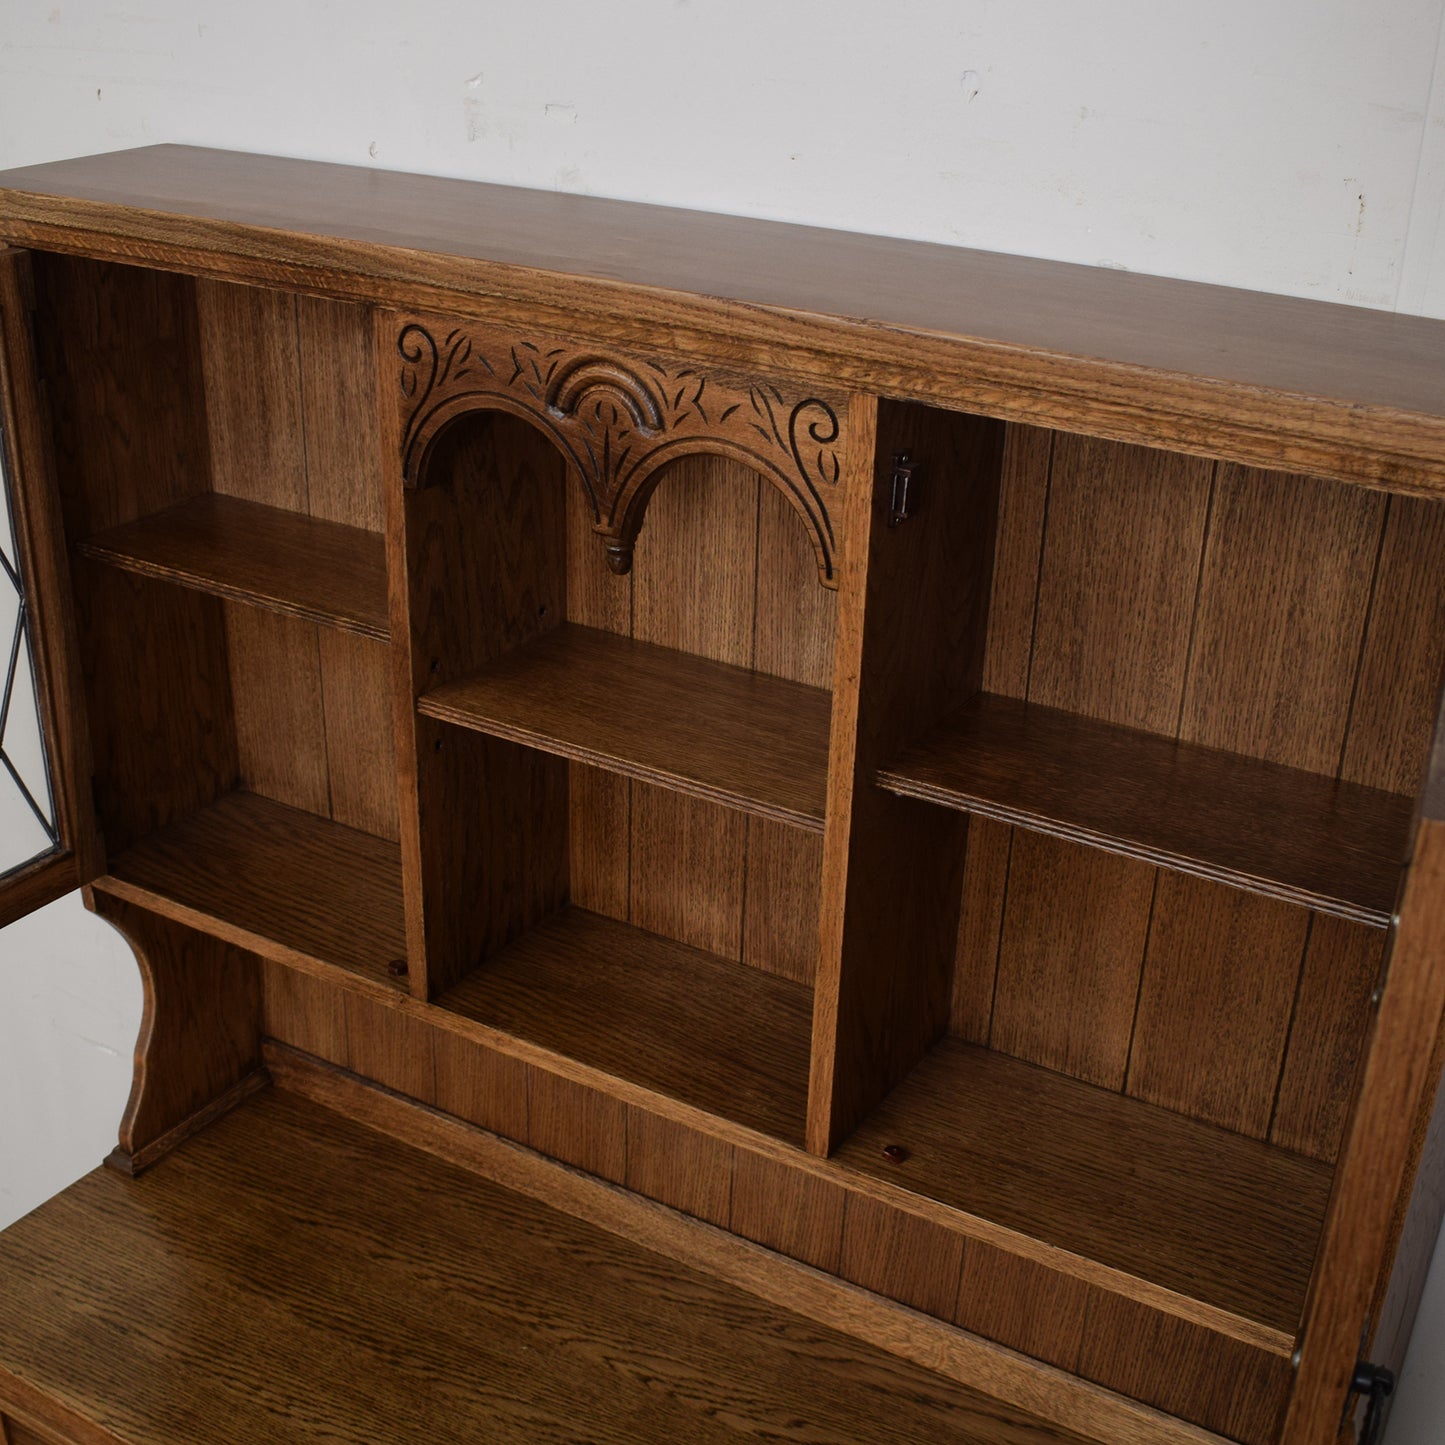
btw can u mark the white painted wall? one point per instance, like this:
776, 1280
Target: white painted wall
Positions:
1284, 145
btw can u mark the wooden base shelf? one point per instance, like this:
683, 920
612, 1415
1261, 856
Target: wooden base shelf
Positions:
281, 882
1332, 846
266, 556
1215, 1217
742, 738
714, 1034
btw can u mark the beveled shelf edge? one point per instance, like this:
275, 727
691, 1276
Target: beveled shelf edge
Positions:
429, 706
1116, 1281
906, 787
1064, 1399
95, 549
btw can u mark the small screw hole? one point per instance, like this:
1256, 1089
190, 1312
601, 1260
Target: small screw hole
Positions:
397, 968
895, 1153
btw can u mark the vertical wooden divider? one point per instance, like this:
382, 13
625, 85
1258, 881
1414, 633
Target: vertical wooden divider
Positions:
911, 626
385, 330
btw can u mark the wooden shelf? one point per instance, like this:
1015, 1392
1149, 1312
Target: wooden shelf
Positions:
737, 737
1214, 1216
718, 1035
284, 883
265, 556
1331, 846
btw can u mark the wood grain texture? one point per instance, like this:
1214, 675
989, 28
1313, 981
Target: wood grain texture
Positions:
796, 619
687, 879
483, 1087
1064, 1400
1404, 654
1022, 1304
301, 1010
797, 1214
1222, 1384
1342, 965
338, 408
1274, 829
284, 884
343, 1334
360, 739
161, 730
980, 928
1069, 957
898, 1255
600, 841
1214, 1003
1222, 1220
910, 650
391, 1047
1116, 583
251, 361
1023, 499
579, 1125
1283, 597
1383, 1145
200, 1033
250, 552
679, 1167
278, 713
120, 349
780, 910
718, 1035
1325, 389
719, 732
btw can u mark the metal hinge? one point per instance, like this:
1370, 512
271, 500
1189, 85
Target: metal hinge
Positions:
1376, 1384
904, 494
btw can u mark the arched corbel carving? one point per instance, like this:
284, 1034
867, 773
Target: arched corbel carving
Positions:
620, 419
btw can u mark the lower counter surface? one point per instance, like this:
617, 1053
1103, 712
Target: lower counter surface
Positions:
291, 1275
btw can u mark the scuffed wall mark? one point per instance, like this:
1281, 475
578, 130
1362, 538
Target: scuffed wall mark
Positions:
559, 110
1360, 215
968, 83
472, 113
373, 150
97, 92
54, 16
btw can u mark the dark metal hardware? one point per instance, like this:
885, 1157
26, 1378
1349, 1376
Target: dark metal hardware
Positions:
1376, 1384
904, 495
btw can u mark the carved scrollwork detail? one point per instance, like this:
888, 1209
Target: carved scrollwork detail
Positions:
619, 420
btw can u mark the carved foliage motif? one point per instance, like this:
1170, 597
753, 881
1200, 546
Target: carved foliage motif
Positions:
619, 419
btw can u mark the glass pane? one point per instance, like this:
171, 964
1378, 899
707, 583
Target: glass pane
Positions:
27, 806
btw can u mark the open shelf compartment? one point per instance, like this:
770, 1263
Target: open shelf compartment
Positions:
1336, 847
715, 731
325, 572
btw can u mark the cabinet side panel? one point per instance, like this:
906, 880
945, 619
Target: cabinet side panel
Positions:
120, 350
159, 700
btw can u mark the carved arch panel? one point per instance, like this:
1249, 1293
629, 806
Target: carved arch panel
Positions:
619, 419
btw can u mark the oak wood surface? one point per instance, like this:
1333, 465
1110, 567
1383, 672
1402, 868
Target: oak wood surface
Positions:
755, 742
718, 1035
1229, 1221
285, 884
1060, 1398
1339, 387
264, 1265
1269, 828
284, 561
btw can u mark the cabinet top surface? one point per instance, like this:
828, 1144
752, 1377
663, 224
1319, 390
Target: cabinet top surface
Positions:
376, 234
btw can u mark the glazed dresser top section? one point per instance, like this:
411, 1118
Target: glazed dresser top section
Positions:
1261, 378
